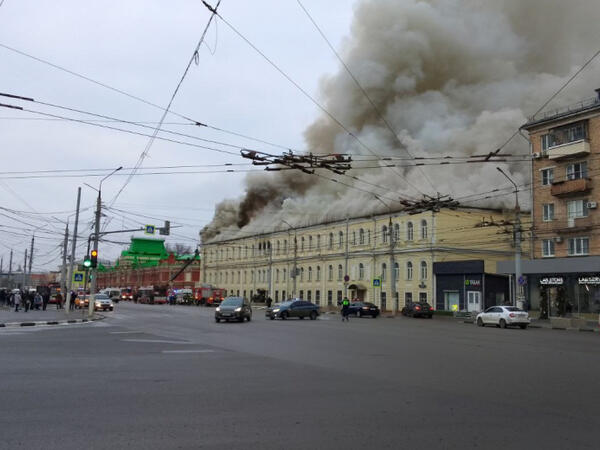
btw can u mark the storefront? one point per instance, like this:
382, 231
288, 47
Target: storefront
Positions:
564, 285
464, 286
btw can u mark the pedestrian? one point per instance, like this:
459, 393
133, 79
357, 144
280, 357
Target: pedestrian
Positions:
16, 300
27, 300
269, 302
3, 296
72, 301
37, 301
59, 300
345, 309
45, 299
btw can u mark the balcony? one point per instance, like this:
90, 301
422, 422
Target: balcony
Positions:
569, 150
570, 187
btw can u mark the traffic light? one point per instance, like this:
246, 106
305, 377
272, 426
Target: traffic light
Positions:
87, 263
94, 258
166, 230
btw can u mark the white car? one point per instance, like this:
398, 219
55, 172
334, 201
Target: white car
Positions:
503, 316
103, 302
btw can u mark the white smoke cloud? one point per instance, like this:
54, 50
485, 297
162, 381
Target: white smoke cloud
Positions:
452, 77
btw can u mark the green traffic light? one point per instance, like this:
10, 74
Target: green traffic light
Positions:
87, 263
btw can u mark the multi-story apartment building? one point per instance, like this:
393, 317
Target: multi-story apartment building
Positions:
565, 147
387, 259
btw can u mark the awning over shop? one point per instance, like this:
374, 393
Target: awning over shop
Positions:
584, 264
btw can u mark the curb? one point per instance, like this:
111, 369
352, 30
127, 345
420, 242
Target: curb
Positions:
51, 322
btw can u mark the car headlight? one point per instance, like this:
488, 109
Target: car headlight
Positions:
218, 309
276, 310
238, 309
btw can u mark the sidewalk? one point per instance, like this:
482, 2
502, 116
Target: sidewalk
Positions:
52, 316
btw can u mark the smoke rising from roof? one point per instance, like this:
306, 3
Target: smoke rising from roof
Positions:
452, 77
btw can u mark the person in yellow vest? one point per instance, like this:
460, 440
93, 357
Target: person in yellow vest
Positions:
345, 309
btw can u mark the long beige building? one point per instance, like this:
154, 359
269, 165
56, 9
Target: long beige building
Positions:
386, 259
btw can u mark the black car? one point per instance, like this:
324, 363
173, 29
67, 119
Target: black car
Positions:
233, 308
418, 309
363, 309
293, 308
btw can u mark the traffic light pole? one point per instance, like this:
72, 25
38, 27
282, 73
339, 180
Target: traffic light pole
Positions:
73, 244
95, 247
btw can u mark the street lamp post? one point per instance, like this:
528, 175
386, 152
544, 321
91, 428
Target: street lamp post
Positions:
392, 238
295, 257
96, 237
520, 300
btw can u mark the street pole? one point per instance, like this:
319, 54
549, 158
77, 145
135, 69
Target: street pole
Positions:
270, 248
295, 270
520, 297
346, 257
72, 262
392, 268
10, 270
24, 272
63, 272
30, 260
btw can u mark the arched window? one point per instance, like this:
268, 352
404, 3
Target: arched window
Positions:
409, 271
252, 276
340, 272
318, 273
384, 234
409, 231
330, 241
284, 274
302, 274
424, 229
309, 273
330, 273
277, 276
423, 270
383, 272
226, 277
369, 237
396, 272
361, 237
278, 248
310, 244
318, 241
302, 244
361, 271
340, 239
354, 238
396, 232
285, 247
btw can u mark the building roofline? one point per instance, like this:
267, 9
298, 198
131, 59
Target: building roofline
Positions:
580, 108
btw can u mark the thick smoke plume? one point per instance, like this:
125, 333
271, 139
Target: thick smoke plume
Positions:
451, 77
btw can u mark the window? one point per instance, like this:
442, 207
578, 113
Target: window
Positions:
383, 272
576, 171
318, 273
301, 294
285, 247
354, 238
278, 249
277, 276
547, 141
409, 231
548, 212
301, 275
329, 298
317, 297
547, 248
579, 246
310, 274
423, 270
340, 272
396, 232
310, 244
309, 296
361, 237
340, 239
226, 277
330, 273
396, 271
407, 297
302, 244
282, 295
330, 241
252, 276
245, 276
318, 241
361, 271
384, 233
339, 296
423, 297
547, 176
409, 271
239, 276
369, 237
283, 274
424, 229
577, 209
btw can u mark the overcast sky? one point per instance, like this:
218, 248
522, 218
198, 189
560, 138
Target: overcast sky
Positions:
142, 47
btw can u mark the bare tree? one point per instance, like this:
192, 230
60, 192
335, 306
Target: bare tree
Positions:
179, 249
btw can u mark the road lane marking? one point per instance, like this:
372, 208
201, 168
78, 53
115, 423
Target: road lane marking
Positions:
154, 341
188, 351
126, 332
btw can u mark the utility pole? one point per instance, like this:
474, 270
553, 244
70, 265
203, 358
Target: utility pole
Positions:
63, 272
73, 247
519, 293
346, 257
30, 258
392, 267
10, 270
295, 269
270, 249
24, 272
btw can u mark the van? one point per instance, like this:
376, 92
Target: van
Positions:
112, 293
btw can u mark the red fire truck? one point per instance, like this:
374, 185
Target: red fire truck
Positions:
208, 295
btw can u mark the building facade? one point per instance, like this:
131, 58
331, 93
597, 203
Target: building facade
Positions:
565, 147
385, 259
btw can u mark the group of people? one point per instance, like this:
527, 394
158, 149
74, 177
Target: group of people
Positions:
27, 300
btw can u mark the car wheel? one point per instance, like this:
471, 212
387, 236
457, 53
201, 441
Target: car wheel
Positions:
241, 319
284, 315
480, 322
249, 318
313, 315
301, 317
217, 320
111, 309
430, 316
502, 323
359, 314
272, 317
523, 326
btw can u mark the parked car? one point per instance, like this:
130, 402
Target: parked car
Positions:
233, 308
103, 302
293, 308
418, 309
82, 301
363, 309
503, 316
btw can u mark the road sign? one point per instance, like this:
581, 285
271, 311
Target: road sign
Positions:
78, 277
149, 229
376, 282
522, 280
346, 278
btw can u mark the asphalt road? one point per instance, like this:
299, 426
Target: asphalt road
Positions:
169, 377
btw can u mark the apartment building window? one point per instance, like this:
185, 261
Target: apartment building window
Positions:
340, 272
310, 274
576, 171
547, 248
547, 176
340, 239
579, 246
318, 275
424, 230
409, 271
547, 141
548, 215
330, 241
330, 273
577, 209
410, 235
361, 237
384, 234
423, 270
383, 272
361, 271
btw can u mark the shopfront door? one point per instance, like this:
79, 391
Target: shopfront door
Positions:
473, 301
